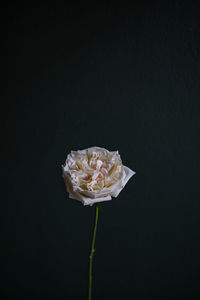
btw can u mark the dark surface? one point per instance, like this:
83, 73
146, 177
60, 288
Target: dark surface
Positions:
123, 78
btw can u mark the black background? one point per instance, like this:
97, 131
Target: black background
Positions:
125, 78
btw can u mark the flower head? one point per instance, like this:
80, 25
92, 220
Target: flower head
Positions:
94, 175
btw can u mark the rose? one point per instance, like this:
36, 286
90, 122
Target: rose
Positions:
94, 175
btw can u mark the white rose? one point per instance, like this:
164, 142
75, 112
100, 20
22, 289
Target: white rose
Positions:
95, 175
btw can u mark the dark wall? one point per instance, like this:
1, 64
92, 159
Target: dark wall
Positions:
125, 78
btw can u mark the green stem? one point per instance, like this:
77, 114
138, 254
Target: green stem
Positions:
92, 250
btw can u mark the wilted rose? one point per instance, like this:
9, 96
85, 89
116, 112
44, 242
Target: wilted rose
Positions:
95, 175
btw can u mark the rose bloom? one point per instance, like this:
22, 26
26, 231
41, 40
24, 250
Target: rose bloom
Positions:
95, 175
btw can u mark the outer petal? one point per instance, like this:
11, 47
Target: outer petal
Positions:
89, 201
127, 174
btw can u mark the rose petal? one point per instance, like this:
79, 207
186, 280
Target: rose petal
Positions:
88, 201
128, 173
